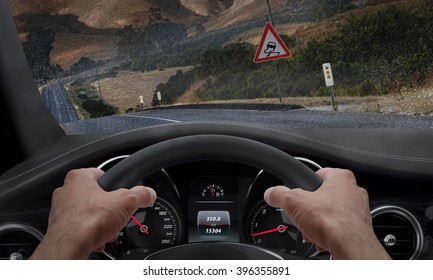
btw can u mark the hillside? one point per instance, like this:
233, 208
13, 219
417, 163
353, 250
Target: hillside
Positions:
110, 14
207, 7
95, 47
213, 14
306, 31
241, 11
81, 26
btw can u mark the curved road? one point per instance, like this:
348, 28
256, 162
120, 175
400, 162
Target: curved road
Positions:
292, 119
57, 100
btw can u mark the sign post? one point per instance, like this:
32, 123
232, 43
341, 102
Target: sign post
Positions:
271, 47
329, 80
158, 95
141, 101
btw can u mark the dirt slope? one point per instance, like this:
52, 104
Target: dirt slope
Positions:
109, 13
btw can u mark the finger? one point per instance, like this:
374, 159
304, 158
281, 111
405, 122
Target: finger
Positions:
283, 197
277, 196
326, 173
77, 175
144, 196
96, 172
336, 176
133, 199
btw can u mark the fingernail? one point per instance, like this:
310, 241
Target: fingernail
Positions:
267, 194
152, 194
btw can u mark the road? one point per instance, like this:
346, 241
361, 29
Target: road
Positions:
292, 119
57, 100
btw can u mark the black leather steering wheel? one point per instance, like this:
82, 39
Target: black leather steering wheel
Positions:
151, 159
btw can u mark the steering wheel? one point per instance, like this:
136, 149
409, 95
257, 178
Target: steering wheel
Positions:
186, 149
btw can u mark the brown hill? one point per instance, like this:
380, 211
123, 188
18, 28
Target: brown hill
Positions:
241, 11
207, 7
110, 13
214, 14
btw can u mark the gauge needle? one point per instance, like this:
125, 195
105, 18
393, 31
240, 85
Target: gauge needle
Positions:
211, 191
270, 231
139, 224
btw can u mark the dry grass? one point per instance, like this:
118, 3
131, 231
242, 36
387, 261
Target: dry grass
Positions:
413, 102
124, 90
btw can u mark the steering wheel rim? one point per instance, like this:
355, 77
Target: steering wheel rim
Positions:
210, 147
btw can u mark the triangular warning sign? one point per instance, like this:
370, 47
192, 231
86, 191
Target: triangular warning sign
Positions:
271, 46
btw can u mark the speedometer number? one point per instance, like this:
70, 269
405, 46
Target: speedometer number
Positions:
272, 228
160, 228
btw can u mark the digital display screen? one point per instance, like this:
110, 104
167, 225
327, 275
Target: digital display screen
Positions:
213, 209
213, 223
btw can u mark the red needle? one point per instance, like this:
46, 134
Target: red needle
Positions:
140, 225
211, 190
269, 231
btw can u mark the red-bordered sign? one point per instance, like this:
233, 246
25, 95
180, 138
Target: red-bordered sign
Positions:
271, 46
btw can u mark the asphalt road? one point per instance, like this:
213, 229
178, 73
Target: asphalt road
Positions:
298, 118
57, 100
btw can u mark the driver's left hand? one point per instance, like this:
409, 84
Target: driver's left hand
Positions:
84, 217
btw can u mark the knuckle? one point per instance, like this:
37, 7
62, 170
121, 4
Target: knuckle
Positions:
56, 194
363, 193
72, 174
347, 174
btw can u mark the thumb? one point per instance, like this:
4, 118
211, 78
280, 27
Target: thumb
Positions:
283, 197
144, 196
135, 198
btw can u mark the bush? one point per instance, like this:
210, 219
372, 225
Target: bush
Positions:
372, 54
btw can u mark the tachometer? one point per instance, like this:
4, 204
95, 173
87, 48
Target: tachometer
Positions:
272, 228
150, 229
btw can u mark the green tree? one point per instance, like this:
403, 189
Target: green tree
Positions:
37, 47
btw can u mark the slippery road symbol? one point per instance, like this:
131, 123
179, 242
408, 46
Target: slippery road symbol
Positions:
270, 49
271, 46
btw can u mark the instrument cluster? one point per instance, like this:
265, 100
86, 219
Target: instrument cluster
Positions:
209, 202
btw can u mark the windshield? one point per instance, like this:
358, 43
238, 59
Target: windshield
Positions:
357, 59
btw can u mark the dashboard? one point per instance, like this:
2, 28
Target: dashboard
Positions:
209, 201
219, 203
206, 202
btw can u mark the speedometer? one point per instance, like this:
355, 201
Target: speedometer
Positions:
272, 228
149, 229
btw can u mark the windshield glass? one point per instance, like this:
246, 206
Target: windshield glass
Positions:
359, 59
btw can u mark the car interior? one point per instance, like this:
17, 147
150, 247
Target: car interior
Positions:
210, 177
